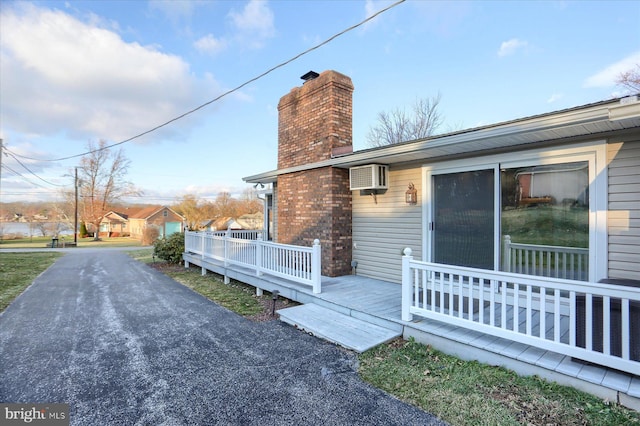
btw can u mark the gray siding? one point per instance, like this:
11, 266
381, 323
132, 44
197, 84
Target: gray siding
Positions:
623, 224
381, 231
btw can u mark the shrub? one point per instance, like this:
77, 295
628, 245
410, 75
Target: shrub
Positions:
170, 249
150, 235
83, 230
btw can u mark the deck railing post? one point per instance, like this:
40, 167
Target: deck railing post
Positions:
203, 272
316, 266
506, 264
226, 254
407, 285
259, 255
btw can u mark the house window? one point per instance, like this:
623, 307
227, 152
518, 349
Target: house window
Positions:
165, 213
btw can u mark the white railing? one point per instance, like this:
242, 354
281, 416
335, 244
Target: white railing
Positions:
296, 263
246, 234
599, 323
548, 261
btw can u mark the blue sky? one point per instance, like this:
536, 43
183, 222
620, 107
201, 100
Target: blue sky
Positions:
79, 71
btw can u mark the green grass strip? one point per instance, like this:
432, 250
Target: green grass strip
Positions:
18, 270
471, 393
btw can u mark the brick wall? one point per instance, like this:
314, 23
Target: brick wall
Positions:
314, 120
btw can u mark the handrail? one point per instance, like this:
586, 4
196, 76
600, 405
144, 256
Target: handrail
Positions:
596, 322
296, 263
545, 260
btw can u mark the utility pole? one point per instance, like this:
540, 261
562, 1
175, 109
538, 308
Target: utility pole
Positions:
75, 216
1, 154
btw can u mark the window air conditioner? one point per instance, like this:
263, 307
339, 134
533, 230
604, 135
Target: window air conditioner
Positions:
371, 176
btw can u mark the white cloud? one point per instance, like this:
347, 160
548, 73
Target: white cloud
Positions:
370, 8
64, 76
607, 77
211, 45
555, 97
174, 10
255, 24
510, 47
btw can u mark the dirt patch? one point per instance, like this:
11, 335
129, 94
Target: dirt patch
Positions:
267, 309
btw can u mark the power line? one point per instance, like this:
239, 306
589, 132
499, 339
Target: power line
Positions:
31, 171
18, 174
228, 92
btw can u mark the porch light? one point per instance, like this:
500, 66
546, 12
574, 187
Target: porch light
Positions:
411, 196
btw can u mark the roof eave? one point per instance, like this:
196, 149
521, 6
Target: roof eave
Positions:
586, 121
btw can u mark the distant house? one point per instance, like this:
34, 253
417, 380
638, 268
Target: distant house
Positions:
133, 222
244, 222
162, 217
251, 221
114, 224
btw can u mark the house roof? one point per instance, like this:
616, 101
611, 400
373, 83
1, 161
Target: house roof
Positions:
120, 216
615, 116
146, 212
224, 223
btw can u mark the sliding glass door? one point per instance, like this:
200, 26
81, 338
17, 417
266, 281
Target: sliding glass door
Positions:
533, 216
463, 218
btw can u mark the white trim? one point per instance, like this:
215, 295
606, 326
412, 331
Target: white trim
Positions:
594, 152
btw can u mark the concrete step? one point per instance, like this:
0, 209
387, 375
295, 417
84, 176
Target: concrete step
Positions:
349, 332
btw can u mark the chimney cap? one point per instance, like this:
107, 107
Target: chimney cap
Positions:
310, 76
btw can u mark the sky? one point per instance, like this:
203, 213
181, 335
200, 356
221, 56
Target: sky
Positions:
77, 72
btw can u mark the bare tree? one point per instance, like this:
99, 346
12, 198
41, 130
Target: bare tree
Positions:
399, 126
225, 205
630, 79
193, 211
102, 174
249, 202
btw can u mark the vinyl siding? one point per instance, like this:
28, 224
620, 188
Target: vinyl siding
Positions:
623, 220
382, 230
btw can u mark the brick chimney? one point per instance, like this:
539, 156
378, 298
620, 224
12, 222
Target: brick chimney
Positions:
314, 122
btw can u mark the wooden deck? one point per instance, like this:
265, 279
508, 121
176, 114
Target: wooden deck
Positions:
379, 302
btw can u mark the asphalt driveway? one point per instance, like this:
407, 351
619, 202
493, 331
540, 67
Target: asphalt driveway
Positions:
124, 345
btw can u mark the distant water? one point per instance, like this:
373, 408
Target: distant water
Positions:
33, 229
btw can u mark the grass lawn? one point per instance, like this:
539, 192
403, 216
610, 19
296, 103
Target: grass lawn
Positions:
42, 242
18, 270
471, 393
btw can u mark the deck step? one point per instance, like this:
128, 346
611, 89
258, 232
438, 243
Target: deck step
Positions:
349, 332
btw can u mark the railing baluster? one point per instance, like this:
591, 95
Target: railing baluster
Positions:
556, 315
543, 313
606, 325
503, 306
460, 296
470, 301
529, 315
441, 279
588, 302
516, 307
625, 332
572, 316
481, 284
492, 305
